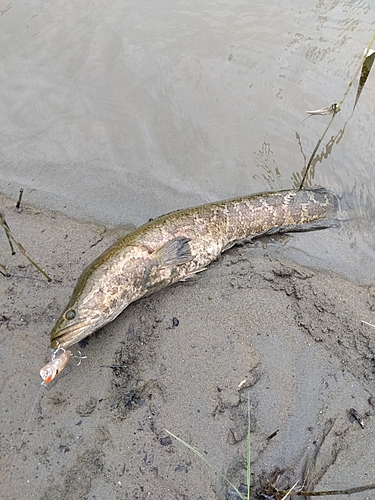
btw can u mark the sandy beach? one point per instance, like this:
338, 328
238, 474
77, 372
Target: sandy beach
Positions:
254, 326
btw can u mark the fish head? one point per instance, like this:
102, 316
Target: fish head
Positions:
75, 323
95, 302
72, 326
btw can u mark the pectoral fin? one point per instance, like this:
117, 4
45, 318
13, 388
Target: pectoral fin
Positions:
173, 253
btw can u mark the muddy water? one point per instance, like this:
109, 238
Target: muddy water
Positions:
120, 112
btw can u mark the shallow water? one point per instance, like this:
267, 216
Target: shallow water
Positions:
123, 112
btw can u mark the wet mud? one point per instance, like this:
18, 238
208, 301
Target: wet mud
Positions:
254, 329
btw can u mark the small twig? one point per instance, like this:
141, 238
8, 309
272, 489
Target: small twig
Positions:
7, 230
19, 198
335, 108
355, 416
347, 491
4, 271
11, 239
272, 435
291, 491
369, 324
314, 152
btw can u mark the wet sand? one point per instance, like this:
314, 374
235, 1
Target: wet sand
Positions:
255, 326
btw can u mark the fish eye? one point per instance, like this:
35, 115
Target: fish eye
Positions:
70, 314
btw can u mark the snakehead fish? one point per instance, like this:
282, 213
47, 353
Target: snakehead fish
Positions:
177, 245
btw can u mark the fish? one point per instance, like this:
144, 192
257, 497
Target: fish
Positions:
175, 246
57, 363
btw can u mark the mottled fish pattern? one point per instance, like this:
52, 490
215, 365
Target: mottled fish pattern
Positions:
177, 245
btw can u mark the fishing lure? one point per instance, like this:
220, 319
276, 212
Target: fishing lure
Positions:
56, 365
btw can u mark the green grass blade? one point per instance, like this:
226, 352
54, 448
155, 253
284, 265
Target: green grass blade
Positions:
248, 469
368, 48
338, 107
202, 457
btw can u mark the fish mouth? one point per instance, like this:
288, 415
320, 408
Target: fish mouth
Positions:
72, 334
